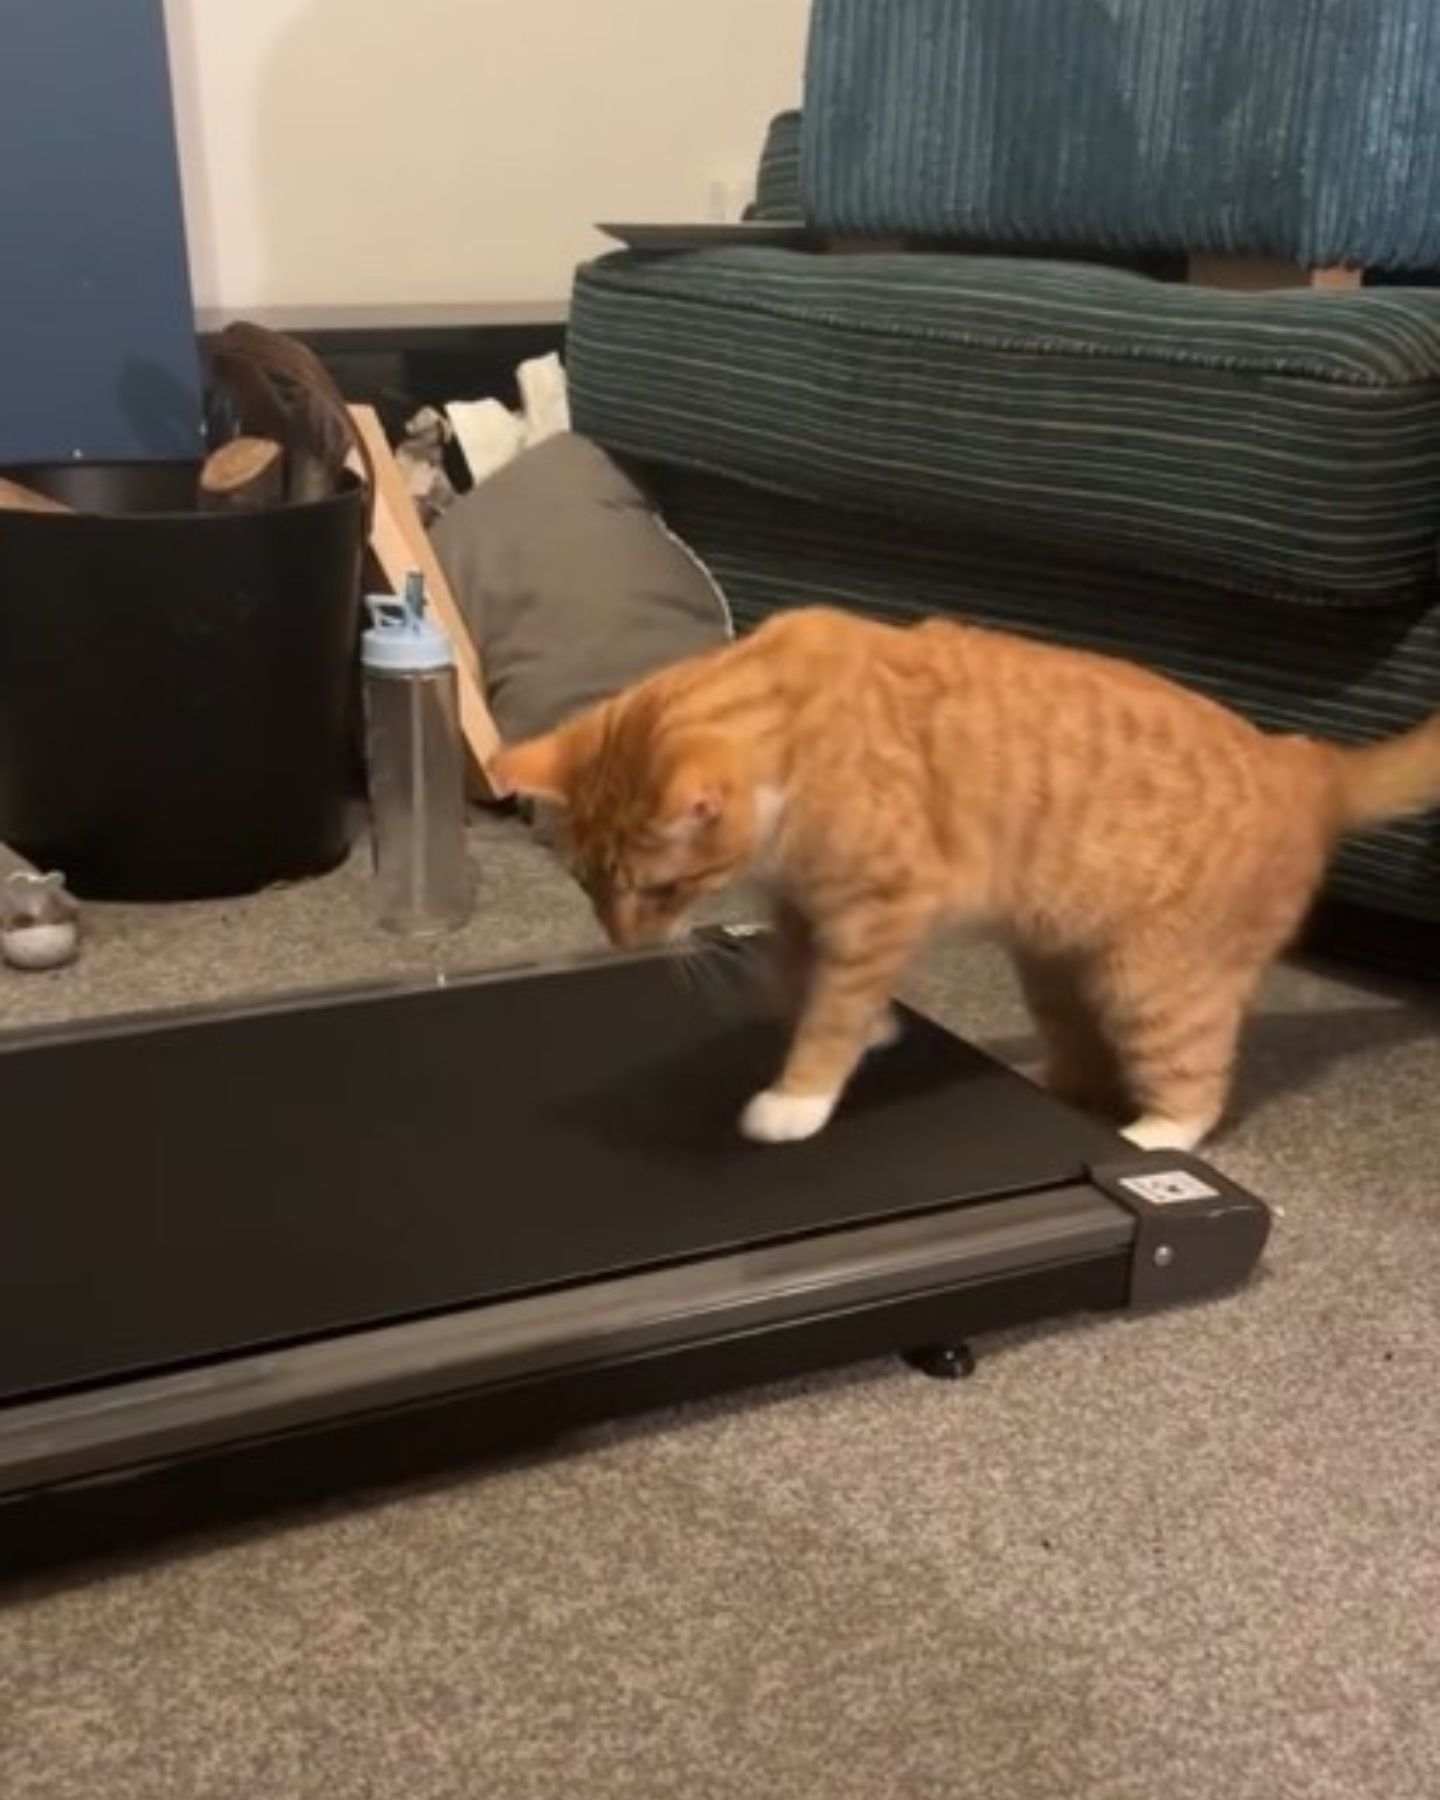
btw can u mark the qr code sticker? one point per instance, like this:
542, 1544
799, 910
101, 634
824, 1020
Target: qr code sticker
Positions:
1168, 1187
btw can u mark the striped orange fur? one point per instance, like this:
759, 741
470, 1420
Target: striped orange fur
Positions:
1144, 852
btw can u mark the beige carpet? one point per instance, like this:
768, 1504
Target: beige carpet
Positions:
1195, 1555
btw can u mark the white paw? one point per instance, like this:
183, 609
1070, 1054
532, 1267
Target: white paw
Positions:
775, 1118
1156, 1133
885, 1031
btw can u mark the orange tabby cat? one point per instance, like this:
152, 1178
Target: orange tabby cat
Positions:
1145, 852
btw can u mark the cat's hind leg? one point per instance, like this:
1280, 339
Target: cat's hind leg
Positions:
1173, 1023
1080, 1065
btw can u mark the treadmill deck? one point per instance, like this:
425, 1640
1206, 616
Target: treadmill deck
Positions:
189, 1188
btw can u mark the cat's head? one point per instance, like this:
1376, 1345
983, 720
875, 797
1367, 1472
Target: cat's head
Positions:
652, 815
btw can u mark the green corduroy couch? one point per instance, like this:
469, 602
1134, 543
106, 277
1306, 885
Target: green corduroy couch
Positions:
1240, 489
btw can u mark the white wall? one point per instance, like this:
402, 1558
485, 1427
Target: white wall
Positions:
359, 152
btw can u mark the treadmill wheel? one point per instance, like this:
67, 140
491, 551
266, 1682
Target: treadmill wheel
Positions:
943, 1362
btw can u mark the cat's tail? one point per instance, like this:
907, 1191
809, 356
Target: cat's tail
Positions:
1393, 779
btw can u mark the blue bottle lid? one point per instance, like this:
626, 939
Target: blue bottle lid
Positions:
401, 637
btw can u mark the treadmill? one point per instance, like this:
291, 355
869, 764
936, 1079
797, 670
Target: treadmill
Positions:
259, 1255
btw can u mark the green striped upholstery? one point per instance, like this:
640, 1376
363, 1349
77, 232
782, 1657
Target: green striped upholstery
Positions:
1286, 443
1297, 128
1346, 675
777, 188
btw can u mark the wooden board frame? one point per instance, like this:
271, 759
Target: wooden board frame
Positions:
1263, 274
400, 543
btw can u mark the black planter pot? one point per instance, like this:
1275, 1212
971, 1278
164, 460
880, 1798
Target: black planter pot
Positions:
177, 689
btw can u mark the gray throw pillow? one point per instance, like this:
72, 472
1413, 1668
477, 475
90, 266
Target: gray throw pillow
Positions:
571, 584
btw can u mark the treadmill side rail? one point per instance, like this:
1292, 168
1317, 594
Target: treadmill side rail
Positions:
1196, 1233
97, 1431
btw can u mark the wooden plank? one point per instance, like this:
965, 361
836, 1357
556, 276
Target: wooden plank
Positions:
1337, 281
400, 543
1264, 274
16, 498
1244, 274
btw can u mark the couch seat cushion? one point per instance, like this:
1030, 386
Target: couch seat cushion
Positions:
1284, 443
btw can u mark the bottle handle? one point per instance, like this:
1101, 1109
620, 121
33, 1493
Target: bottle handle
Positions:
387, 612
399, 612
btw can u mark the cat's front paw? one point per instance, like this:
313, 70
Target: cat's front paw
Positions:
776, 1118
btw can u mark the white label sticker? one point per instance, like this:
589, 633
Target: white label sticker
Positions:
1169, 1186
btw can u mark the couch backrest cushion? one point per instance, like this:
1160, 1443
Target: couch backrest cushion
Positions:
1296, 128
777, 187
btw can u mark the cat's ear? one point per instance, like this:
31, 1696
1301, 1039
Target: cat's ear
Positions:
698, 789
535, 769
694, 802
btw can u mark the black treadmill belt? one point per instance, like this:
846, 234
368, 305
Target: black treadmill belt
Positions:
195, 1188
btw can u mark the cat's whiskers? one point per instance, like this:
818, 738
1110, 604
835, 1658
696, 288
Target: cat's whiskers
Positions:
701, 972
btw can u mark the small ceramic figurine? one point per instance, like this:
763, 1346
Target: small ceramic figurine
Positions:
422, 460
39, 921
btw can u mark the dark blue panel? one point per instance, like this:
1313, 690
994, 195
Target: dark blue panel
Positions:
97, 333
